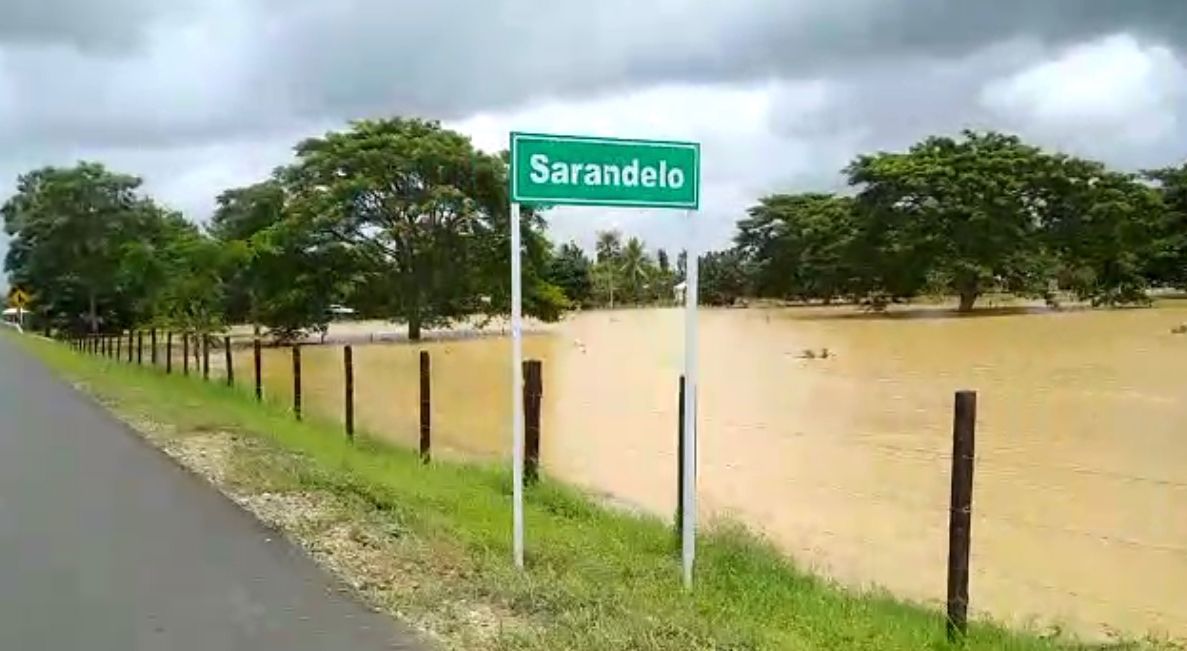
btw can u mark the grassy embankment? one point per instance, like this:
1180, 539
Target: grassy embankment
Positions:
431, 544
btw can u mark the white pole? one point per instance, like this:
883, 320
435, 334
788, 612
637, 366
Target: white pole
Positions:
516, 386
688, 537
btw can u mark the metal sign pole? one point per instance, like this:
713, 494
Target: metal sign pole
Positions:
688, 535
517, 385
556, 169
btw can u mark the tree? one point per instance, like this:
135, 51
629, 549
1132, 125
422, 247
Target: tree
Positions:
289, 274
1167, 265
721, 277
193, 267
636, 269
607, 270
70, 229
1103, 227
240, 214
569, 270
170, 252
415, 205
304, 274
608, 247
955, 216
799, 246
663, 278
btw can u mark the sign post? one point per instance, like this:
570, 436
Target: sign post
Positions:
588, 171
516, 386
688, 543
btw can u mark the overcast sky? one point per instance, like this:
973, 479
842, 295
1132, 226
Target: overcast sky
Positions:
200, 95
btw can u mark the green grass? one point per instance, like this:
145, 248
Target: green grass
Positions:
596, 579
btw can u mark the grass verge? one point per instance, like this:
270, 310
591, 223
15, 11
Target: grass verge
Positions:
431, 544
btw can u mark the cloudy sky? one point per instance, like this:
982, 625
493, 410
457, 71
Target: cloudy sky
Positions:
200, 95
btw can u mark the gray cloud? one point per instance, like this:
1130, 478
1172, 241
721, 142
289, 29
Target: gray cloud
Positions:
223, 67
106, 27
452, 56
198, 95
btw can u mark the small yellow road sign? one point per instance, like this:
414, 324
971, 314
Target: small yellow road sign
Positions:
18, 298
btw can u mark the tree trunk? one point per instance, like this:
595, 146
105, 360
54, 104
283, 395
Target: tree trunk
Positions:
93, 313
414, 326
255, 314
967, 298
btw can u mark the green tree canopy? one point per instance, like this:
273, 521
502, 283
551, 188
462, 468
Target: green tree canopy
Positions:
799, 246
422, 214
569, 269
289, 275
1167, 264
957, 216
71, 230
722, 277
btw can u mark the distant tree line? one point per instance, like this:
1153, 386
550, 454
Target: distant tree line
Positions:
403, 219
964, 216
400, 219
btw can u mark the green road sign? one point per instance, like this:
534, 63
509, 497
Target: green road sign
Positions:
578, 170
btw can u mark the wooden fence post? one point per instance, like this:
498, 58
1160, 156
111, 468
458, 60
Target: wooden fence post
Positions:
348, 364
964, 424
680, 459
297, 382
426, 408
139, 347
259, 380
152, 343
131, 341
168, 352
205, 356
185, 354
533, 390
229, 361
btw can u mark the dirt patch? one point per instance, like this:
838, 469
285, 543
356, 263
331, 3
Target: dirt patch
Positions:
209, 455
300, 511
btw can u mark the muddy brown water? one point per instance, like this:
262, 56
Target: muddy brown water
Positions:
1080, 497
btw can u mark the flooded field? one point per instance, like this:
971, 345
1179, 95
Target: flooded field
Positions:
1080, 496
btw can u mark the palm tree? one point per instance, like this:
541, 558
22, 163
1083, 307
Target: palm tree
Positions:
609, 246
635, 266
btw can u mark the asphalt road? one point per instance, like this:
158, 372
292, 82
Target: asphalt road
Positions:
106, 545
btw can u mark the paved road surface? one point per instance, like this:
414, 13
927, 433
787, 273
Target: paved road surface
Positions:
105, 545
